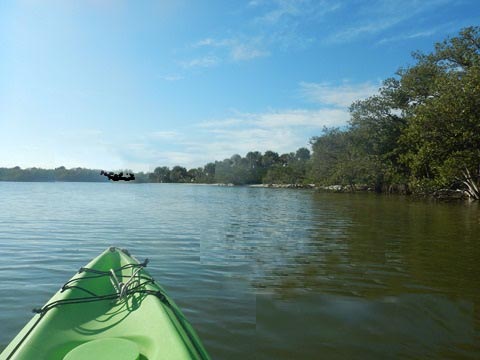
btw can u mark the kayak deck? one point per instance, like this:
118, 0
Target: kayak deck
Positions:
113, 299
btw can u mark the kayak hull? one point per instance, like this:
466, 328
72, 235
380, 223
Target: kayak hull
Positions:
91, 307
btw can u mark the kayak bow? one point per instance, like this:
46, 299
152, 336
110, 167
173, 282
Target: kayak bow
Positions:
111, 309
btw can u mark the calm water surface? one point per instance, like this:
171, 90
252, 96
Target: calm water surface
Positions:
261, 273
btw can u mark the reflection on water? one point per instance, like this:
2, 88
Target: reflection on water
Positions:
262, 273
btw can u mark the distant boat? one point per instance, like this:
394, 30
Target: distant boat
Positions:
116, 177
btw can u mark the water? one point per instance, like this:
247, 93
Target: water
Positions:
261, 273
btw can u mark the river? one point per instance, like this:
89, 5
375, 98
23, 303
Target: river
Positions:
261, 273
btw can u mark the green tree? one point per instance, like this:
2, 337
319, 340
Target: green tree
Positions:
269, 158
196, 175
223, 171
443, 132
179, 174
376, 125
161, 174
302, 154
254, 165
209, 173
422, 128
337, 159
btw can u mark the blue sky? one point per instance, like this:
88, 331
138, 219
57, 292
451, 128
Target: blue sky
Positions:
137, 84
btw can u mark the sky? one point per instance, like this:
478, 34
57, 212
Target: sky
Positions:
114, 84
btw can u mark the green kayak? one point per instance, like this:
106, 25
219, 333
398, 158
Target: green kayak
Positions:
111, 309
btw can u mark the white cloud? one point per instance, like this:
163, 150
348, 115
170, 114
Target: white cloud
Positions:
234, 49
241, 52
49, 148
277, 130
447, 27
172, 158
229, 142
407, 36
356, 31
220, 123
282, 8
280, 130
337, 96
213, 42
218, 144
274, 119
253, 3
377, 16
164, 135
295, 11
204, 61
282, 25
303, 118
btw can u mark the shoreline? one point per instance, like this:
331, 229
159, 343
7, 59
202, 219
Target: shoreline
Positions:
441, 194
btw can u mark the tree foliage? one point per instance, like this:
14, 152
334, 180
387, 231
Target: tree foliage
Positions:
59, 174
421, 130
443, 133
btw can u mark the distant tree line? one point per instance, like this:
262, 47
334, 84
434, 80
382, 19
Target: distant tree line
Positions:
254, 168
421, 132
58, 174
